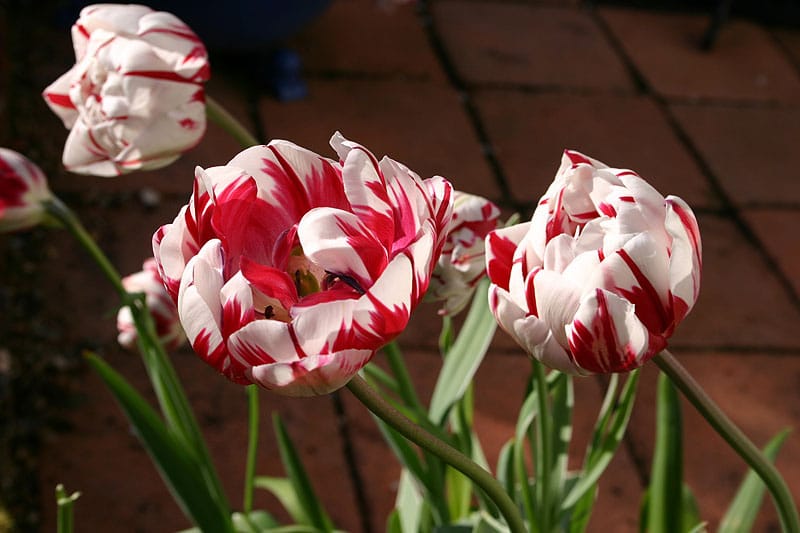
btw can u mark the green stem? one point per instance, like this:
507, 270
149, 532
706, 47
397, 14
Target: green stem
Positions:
169, 392
64, 214
483, 479
544, 446
252, 447
220, 116
737, 440
64, 520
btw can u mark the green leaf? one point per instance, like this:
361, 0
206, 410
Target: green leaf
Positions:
505, 468
255, 522
610, 429
283, 489
527, 414
741, 515
690, 512
563, 401
665, 494
465, 356
409, 504
299, 479
178, 469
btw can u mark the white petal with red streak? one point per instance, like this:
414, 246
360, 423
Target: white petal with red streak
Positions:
685, 263
199, 305
338, 242
628, 331
312, 376
557, 299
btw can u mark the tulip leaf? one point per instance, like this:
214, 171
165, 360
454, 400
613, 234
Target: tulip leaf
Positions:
505, 468
464, 356
609, 430
527, 414
741, 515
178, 468
283, 490
408, 504
299, 479
664, 509
256, 521
563, 401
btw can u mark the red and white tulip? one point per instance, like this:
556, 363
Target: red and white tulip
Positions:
600, 277
290, 270
160, 305
462, 263
23, 191
134, 100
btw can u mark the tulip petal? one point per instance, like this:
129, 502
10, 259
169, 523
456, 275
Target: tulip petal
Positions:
607, 336
686, 259
341, 243
314, 375
199, 305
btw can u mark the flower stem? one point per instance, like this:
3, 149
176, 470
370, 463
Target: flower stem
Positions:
483, 479
252, 447
222, 118
59, 210
734, 437
166, 384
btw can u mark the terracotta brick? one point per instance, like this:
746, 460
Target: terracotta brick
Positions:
759, 393
749, 149
420, 124
511, 43
790, 40
744, 64
777, 230
360, 37
529, 133
741, 303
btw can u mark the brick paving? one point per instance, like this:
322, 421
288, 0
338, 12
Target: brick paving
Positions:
486, 94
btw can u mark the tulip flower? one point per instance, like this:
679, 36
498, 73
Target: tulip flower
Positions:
600, 277
462, 263
23, 191
158, 302
134, 99
290, 270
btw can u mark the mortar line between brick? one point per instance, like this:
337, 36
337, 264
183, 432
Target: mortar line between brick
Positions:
455, 80
785, 51
729, 208
348, 449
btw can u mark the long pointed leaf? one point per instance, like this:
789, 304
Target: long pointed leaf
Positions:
600, 455
665, 494
299, 479
283, 490
178, 469
741, 515
465, 355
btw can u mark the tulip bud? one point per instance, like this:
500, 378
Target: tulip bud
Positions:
134, 99
462, 264
23, 191
600, 277
159, 304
